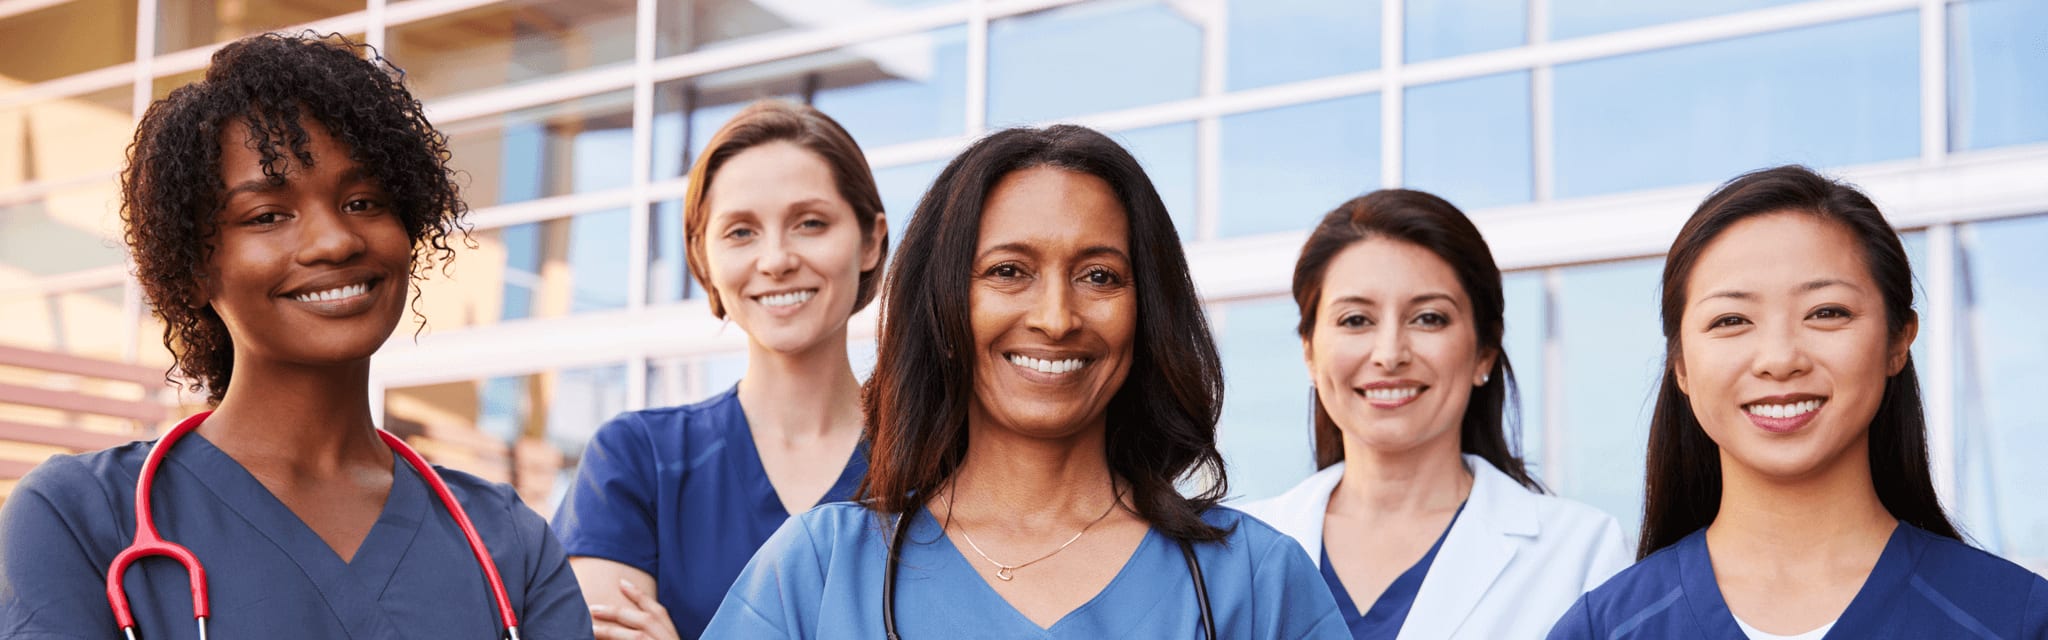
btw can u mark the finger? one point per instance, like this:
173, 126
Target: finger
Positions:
646, 601
608, 631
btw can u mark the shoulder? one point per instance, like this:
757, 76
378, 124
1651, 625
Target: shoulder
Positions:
1970, 577
1248, 535
839, 523
1647, 586
1305, 501
94, 480
710, 416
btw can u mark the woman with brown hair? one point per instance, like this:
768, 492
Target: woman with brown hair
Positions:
1045, 378
1423, 519
785, 228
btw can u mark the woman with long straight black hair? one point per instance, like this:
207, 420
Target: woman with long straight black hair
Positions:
1788, 492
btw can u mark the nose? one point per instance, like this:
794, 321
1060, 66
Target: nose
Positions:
328, 237
1779, 355
777, 259
1053, 314
1390, 348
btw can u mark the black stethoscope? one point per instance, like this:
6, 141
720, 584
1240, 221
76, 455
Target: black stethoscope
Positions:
149, 543
1187, 551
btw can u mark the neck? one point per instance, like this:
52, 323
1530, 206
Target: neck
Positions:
801, 396
1788, 521
304, 420
1426, 479
1032, 480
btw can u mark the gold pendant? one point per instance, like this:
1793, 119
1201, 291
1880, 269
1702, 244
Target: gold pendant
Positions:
1004, 574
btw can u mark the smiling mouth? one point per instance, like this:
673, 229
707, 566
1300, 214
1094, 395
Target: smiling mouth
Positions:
786, 298
1048, 367
336, 294
1782, 411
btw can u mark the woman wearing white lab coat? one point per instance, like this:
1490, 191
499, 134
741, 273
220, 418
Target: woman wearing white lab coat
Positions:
1423, 521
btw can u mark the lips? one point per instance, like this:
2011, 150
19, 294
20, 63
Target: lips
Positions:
1784, 413
337, 296
786, 299
1391, 394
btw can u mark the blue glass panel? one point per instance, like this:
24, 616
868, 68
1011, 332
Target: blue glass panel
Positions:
1280, 41
1527, 326
522, 269
1574, 18
1168, 154
1998, 94
668, 267
1830, 95
1613, 349
1470, 141
597, 260
902, 187
1265, 435
1089, 58
1284, 168
1445, 28
2000, 429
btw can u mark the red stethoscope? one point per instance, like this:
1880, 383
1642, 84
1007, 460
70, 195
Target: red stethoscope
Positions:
148, 543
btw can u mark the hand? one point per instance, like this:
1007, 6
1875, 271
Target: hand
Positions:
643, 618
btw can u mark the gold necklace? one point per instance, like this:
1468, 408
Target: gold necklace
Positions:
1006, 572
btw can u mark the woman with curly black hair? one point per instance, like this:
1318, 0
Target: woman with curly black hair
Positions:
278, 211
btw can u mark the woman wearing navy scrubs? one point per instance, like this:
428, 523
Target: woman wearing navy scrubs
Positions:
785, 227
1788, 491
1423, 519
1045, 377
277, 211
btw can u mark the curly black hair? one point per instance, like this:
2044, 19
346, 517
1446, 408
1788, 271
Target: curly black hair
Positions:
171, 190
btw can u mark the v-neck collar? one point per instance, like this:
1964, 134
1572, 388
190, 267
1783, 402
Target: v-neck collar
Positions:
350, 588
952, 560
1713, 618
764, 491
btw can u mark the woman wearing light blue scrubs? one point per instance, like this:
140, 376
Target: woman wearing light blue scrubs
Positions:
1423, 519
1789, 494
278, 211
785, 227
1045, 377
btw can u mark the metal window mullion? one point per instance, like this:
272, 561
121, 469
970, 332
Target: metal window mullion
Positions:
1933, 81
1391, 26
1542, 109
373, 25
131, 290
1939, 324
977, 72
1209, 128
1554, 430
638, 227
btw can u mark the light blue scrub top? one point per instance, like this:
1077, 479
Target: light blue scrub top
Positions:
680, 494
820, 576
269, 575
1924, 586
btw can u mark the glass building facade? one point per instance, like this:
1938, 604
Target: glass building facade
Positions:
1578, 133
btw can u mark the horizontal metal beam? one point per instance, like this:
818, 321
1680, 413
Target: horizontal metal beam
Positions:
54, 362
142, 410
71, 438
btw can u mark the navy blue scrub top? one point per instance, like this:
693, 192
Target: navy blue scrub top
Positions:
268, 574
680, 493
1384, 621
1924, 586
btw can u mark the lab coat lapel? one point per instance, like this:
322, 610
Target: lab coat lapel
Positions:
1479, 547
354, 605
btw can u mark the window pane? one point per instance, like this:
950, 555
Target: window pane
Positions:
682, 26
1470, 141
542, 269
1612, 348
1527, 314
577, 146
1830, 95
1997, 92
510, 43
65, 38
1265, 435
901, 188
668, 268
2000, 429
1280, 41
679, 381
527, 430
183, 24
65, 137
88, 322
1050, 65
1168, 154
65, 230
1445, 28
1574, 18
1284, 168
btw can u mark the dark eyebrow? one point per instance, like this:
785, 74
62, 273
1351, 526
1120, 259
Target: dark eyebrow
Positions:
1105, 250
258, 185
1810, 285
1090, 252
1417, 299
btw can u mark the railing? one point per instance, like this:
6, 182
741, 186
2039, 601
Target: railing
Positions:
63, 393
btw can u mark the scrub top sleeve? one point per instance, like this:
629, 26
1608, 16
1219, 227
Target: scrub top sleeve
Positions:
554, 601
779, 594
1577, 623
1290, 600
2034, 623
609, 511
49, 585
1610, 555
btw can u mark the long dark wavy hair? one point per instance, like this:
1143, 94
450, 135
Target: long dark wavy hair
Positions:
1683, 490
1417, 218
171, 189
1162, 421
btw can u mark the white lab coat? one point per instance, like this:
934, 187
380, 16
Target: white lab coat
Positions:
1513, 562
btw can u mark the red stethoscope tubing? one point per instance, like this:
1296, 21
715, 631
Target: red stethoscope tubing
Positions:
149, 543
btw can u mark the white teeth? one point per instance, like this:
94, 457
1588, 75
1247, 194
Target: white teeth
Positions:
337, 293
1392, 393
787, 299
1785, 410
1054, 367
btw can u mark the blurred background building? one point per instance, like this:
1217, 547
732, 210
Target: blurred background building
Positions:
1579, 133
